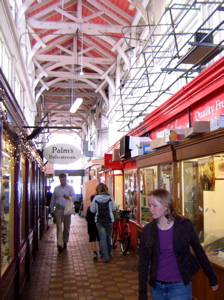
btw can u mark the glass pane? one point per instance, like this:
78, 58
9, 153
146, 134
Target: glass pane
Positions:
22, 200
190, 187
6, 65
148, 182
118, 190
213, 209
7, 220
110, 184
130, 191
166, 177
30, 203
202, 192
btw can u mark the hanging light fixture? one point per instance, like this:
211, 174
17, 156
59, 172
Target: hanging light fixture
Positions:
77, 102
81, 71
130, 51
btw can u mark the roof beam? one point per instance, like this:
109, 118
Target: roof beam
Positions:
70, 59
88, 28
64, 75
66, 94
67, 85
108, 12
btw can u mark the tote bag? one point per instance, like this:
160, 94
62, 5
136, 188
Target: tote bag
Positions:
69, 208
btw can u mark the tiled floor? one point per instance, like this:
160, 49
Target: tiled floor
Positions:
74, 274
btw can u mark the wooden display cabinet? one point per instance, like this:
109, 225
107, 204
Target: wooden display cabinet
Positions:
202, 181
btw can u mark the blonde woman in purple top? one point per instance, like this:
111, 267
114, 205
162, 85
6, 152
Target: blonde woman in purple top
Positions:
165, 260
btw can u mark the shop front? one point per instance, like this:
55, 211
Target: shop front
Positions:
22, 197
187, 158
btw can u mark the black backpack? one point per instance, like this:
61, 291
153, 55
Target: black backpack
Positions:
103, 212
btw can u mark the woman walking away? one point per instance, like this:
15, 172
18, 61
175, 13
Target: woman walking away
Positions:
103, 206
93, 232
165, 247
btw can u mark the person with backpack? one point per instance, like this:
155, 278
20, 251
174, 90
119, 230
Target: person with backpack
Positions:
103, 206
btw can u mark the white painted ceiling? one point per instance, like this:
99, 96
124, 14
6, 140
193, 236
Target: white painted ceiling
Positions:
68, 37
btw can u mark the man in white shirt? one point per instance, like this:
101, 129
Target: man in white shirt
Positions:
61, 194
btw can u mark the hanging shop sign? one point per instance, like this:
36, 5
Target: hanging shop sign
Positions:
62, 154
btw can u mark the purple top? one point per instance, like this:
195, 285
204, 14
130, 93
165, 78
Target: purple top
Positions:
167, 266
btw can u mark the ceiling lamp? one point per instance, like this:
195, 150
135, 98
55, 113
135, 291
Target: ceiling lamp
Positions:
76, 105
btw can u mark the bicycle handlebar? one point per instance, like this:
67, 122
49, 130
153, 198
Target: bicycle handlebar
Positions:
125, 211
124, 214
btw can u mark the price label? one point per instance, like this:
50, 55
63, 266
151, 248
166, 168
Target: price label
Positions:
221, 254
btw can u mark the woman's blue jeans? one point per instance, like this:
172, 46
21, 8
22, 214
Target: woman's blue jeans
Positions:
104, 230
173, 291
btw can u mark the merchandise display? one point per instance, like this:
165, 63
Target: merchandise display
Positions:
6, 215
203, 202
150, 180
130, 192
215, 251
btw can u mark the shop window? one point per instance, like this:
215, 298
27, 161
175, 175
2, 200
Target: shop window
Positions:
6, 65
130, 192
7, 207
148, 182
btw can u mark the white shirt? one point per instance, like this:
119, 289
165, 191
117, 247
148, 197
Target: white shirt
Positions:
59, 192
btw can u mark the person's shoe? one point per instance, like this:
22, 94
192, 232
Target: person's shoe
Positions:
95, 256
60, 249
101, 254
65, 245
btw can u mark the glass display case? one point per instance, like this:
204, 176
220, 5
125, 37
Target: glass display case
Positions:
148, 182
190, 187
203, 198
22, 199
110, 182
130, 192
166, 177
7, 217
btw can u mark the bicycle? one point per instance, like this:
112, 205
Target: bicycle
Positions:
121, 231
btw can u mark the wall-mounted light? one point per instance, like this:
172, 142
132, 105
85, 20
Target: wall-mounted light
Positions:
76, 105
130, 51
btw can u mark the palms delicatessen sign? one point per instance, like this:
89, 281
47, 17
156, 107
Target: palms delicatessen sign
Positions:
62, 154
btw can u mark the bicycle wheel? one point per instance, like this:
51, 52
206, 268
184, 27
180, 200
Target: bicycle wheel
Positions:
126, 240
114, 237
